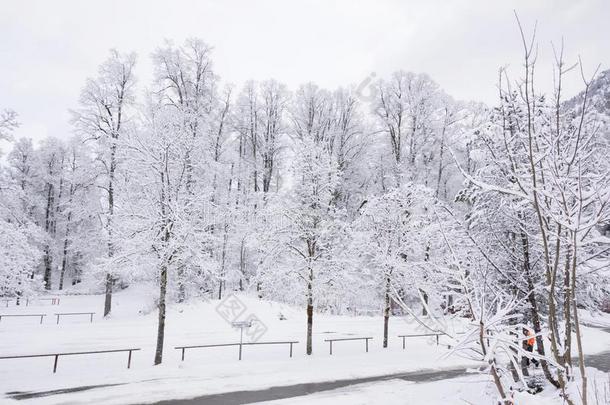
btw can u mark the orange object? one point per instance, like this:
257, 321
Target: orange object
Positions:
531, 340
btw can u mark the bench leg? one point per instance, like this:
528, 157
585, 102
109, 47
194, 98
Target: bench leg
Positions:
129, 360
183, 354
437, 340
92, 321
55, 363
367, 345
403, 343
57, 319
41, 319
331, 347
290, 349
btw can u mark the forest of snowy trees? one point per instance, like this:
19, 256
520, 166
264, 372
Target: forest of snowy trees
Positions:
402, 200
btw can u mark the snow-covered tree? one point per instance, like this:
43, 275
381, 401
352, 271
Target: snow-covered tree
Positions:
544, 165
103, 117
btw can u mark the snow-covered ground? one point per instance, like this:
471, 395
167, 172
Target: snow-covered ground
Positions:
217, 370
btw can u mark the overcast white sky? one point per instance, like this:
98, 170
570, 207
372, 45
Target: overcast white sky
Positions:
48, 48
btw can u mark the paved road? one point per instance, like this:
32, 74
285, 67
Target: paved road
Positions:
291, 391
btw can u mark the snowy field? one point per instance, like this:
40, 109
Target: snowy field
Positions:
217, 370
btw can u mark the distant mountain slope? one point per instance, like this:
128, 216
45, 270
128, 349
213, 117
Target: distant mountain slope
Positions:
599, 94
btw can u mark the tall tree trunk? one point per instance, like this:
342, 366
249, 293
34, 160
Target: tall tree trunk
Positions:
181, 285
242, 264
581, 357
161, 323
493, 369
164, 264
223, 258
310, 312
109, 276
64, 260
386, 312
424, 307
567, 340
440, 161
48, 260
108, 294
534, 311
48, 265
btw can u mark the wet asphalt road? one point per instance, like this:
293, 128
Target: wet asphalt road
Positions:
291, 391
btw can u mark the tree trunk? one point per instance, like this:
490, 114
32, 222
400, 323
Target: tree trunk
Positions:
581, 357
386, 313
181, 285
108, 294
48, 260
225, 240
242, 264
567, 316
309, 312
534, 311
47, 267
161, 324
109, 276
64, 261
440, 162
424, 310
493, 369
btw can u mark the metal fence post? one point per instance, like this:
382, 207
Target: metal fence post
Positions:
241, 335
